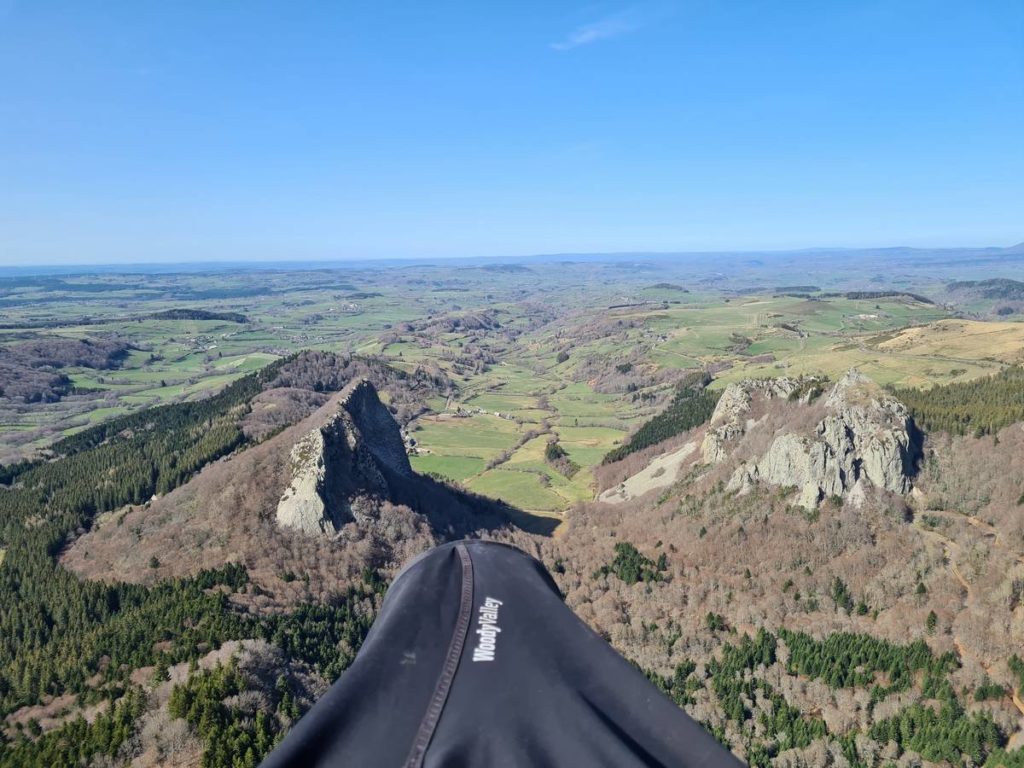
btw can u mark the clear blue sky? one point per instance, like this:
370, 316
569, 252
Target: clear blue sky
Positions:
166, 131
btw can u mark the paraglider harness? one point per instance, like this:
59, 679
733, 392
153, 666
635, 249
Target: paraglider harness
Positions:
475, 660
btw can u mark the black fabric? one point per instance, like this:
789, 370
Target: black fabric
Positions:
554, 695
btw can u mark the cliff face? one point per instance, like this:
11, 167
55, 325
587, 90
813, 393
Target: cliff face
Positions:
865, 437
870, 433
729, 421
374, 429
352, 454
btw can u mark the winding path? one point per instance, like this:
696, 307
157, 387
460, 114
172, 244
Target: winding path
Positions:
948, 545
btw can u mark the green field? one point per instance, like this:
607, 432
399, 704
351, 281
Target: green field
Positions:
523, 489
527, 350
748, 337
451, 467
482, 436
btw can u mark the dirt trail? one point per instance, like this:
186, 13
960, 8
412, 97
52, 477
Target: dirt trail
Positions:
948, 546
1016, 740
989, 530
966, 653
958, 575
1017, 702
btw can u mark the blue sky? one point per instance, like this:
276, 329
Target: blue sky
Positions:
173, 131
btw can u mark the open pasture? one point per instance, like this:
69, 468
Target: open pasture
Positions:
658, 318
523, 489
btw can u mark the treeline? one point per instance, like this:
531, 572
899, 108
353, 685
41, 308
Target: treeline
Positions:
10, 471
54, 628
945, 735
874, 295
28, 371
996, 288
177, 419
232, 737
631, 566
126, 461
847, 660
736, 688
683, 684
186, 618
60, 352
78, 742
558, 457
199, 314
691, 406
844, 660
1016, 665
59, 634
979, 407
326, 637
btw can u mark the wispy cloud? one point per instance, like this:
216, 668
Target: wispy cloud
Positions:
607, 28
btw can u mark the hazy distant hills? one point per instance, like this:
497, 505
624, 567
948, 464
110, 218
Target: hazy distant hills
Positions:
920, 255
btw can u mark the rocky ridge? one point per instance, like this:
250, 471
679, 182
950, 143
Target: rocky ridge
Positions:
357, 452
865, 438
731, 417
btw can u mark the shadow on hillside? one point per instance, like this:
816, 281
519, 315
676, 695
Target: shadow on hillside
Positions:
915, 451
457, 512
540, 525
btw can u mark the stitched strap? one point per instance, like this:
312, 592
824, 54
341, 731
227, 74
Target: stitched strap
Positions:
451, 664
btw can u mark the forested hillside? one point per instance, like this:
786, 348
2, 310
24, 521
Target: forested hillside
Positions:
841, 661
61, 635
31, 371
862, 632
979, 407
691, 406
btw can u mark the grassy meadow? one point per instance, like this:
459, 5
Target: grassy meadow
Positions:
575, 353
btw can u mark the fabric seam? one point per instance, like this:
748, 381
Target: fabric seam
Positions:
444, 682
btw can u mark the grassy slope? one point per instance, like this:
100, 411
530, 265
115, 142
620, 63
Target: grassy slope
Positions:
829, 337
182, 359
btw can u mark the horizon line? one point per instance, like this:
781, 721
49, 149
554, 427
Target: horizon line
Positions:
257, 261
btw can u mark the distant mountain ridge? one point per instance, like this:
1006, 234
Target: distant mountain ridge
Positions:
500, 262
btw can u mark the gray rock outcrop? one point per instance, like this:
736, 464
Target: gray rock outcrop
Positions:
729, 420
353, 453
870, 433
866, 436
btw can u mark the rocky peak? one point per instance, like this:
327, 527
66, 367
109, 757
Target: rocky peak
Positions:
353, 453
871, 432
865, 437
729, 420
373, 426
